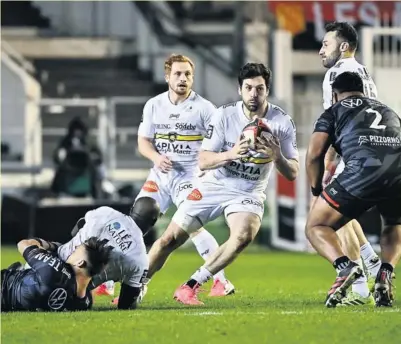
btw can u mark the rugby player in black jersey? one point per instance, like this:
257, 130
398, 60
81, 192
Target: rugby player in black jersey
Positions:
367, 135
51, 284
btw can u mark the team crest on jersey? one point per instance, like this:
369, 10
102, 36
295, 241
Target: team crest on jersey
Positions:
57, 299
116, 225
351, 103
195, 195
150, 186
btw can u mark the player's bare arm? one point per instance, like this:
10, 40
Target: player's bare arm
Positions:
270, 146
209, 160
318, 146
47, 245
148, 150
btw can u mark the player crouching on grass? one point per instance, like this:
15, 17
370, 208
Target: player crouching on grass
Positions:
367, 135
51, 284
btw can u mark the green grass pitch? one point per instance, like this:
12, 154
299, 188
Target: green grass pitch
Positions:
279, 299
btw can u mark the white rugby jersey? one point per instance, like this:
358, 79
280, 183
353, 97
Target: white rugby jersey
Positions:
129, 261
347, 65
250, 174
177, 130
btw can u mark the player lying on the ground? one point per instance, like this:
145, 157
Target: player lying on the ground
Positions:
338, 56
173, 126
52, 284
367, 135
128, 262
240, 169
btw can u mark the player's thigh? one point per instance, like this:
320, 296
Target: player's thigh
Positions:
202, 205
244, 215
335, 207
244, 226
156, 187
390, 210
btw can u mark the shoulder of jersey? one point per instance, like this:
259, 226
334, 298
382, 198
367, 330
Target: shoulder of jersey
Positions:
204, 101
279, 110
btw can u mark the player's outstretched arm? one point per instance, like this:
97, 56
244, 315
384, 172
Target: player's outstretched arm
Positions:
128, 297
47, 245
209, 160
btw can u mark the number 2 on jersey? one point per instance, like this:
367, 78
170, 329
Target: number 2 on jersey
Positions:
375, 124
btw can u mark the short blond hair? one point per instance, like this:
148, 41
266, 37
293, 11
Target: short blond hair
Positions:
177, 58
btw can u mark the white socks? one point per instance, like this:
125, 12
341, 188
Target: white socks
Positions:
202, 275
360, 286
370, 259
206, 245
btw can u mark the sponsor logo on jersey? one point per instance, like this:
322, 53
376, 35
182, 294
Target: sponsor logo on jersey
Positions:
57, 299
185, 126
249, 201
174, 116
229, 144
240, 170
376, 140
195, 195
351, 103
121, 238
150, 186
184, 186
162, 126
116, 225
176, 148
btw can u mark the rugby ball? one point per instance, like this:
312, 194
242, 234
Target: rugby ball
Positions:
257, 128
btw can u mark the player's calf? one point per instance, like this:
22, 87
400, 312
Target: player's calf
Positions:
384, 288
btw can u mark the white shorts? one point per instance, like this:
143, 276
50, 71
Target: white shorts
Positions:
168, 188
209, 200
340, 167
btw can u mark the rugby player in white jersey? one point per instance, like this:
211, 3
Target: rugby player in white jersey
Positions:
236, 182
170, 135
128, 261
338, 55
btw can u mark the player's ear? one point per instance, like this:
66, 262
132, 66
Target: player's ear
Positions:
344, 46
239, 90
81, 264
166, 77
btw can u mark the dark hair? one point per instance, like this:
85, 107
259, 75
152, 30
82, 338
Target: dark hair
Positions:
98, 255
346, 32
348, 82
253, 70
145, 213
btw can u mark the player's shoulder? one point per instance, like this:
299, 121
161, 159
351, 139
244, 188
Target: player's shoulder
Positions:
277, 114
229, 109
203, 102
157, 100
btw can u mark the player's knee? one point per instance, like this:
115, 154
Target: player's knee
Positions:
173, 237
243, 239
145, 213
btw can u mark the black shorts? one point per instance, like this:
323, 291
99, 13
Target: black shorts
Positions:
353, 207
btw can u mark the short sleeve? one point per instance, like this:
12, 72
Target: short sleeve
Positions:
288, 140
147, 128
325, 123
214, 139
138, 274
208, 113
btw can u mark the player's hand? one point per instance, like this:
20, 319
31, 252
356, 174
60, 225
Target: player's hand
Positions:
326, 178
163, 163
240, 150
269, 146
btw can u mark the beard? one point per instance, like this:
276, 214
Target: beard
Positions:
252, 107
178, 90
332, 59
